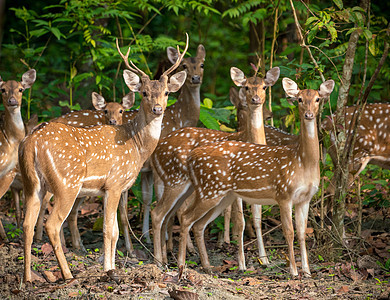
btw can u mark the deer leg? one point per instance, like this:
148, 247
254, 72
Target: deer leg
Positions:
171, 197
110, 228
125, 221
5, 182
227, 217
301, 215
39, 230
63, 204
147, 196
32, 205
73, 228
239, 222
256, 212
16, 197
288, 231
200, 226
187, 202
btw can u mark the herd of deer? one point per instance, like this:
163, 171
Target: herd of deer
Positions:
197, 172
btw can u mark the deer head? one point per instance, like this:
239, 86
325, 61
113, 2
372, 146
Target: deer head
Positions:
113, 111
12, 91
192, 65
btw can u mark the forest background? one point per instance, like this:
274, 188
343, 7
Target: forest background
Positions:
71, 44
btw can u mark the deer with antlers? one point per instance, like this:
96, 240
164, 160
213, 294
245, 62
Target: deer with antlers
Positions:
170, 157
286, 175
12, 129
70, 162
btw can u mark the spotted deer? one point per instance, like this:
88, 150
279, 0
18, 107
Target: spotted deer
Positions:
170, 157
108, 113
71, 162
283, 175
372, 144
184, 113
12, 129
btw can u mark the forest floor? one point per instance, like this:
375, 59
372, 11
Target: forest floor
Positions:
354, 275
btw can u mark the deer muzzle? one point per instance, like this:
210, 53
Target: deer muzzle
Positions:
256, 100
195, 79
157, 110
309, 115
12, 102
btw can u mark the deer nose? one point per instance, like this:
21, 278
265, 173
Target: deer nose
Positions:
112, 122
309, 115
256, 100
195, 79
12, 102
157, 110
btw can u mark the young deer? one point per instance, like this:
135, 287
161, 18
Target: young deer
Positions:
71, 162
372, 142
184, 113
286, 175
170, 157
12, 129
111, 113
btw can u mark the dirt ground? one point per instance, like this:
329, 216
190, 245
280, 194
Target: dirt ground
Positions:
349, 277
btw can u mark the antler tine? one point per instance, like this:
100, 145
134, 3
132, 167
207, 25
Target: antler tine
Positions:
179, 59
126, 60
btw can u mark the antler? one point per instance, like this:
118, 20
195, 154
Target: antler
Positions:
179, 59
125, 58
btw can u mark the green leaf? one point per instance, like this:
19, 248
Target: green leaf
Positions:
98, 79
285, 103
312, 34
207, 120
56, 32
367, 34
311, 20
73, 72
339, 3
372, 47
207, 102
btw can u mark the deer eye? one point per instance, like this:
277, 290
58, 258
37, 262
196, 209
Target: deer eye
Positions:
246, 88
318, 100
3, 90
144, 94
20, 90
121, 111
105, 111
166, 93
202, 66
265, 87
300, 100
184, 66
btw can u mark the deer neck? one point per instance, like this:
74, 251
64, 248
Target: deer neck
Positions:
188, 105
13, 125
144, 133
308, 147
256, 133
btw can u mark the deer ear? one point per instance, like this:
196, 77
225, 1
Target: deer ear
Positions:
28, 78
98, 101
233, 96
290, 87
201, 52
272, 76
267, 114
132, 80
176, 81
326, 88
128, 100
237, 76
172, 54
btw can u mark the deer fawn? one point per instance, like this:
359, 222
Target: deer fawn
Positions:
286, 175
12, 130
184, 113
112, 113
170, 157
372, 142
103, 160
